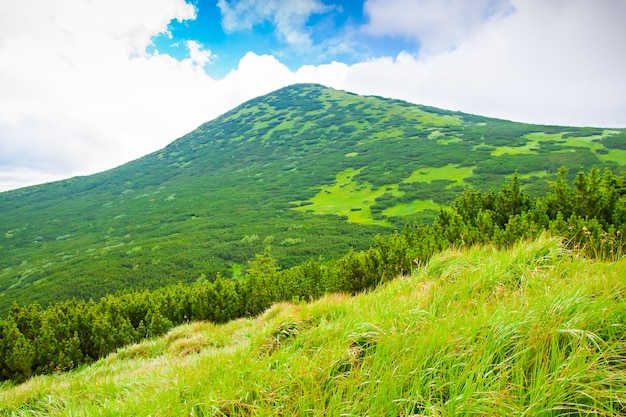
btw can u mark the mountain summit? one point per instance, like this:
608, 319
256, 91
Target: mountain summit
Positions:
308, 170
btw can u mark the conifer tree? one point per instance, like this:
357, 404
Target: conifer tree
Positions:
19, 355
261, 277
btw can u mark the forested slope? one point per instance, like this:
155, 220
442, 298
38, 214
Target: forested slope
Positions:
309, 170
588, 215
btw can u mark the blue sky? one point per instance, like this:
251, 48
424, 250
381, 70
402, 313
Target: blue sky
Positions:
331, 32
87, 85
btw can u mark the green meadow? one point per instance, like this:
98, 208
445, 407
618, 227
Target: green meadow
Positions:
353, 200
345, 198
450, 172
534, 330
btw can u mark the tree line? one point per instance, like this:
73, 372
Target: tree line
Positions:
589, 214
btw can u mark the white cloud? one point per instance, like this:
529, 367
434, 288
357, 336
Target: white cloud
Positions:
77, 98
256, 75
437, 25
198, 56
79, 94
134, 22
558, 62
78, 91
288, 16
17, 177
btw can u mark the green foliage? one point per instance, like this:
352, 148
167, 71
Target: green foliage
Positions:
589, 214
617, 141
136, 239
535, 329
195, 207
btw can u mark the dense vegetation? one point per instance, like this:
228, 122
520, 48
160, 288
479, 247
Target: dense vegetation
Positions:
311, 171
535, 330
589, 214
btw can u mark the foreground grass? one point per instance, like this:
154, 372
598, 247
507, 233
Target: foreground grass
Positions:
529, 331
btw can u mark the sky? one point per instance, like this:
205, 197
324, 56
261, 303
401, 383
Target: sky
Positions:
87, 85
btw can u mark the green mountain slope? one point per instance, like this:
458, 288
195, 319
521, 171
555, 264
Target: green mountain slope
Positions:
533, 330
310, 170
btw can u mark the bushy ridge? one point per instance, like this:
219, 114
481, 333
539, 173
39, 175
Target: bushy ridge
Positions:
534, 330
312, 169
589, 214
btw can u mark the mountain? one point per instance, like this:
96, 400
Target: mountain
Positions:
472, 332
309, 170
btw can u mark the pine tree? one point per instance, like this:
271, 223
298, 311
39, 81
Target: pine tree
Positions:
19, 356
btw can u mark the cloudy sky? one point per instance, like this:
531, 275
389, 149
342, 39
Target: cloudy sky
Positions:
86, 85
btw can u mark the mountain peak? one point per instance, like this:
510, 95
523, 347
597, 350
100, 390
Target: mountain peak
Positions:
311, 170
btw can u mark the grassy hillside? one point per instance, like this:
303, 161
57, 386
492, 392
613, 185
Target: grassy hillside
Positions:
533, 330
311, 170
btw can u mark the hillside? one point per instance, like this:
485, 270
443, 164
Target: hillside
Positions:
310, 170
533, 330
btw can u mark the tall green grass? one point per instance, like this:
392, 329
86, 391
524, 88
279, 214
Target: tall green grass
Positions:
534, 330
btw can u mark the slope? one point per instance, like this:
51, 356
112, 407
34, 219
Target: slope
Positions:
310, 170
533, 330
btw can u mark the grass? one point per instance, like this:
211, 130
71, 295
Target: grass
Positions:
448, 172
593, 143
533, 330
405, 209
439, 120
614, 155
346, 198
534, 142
